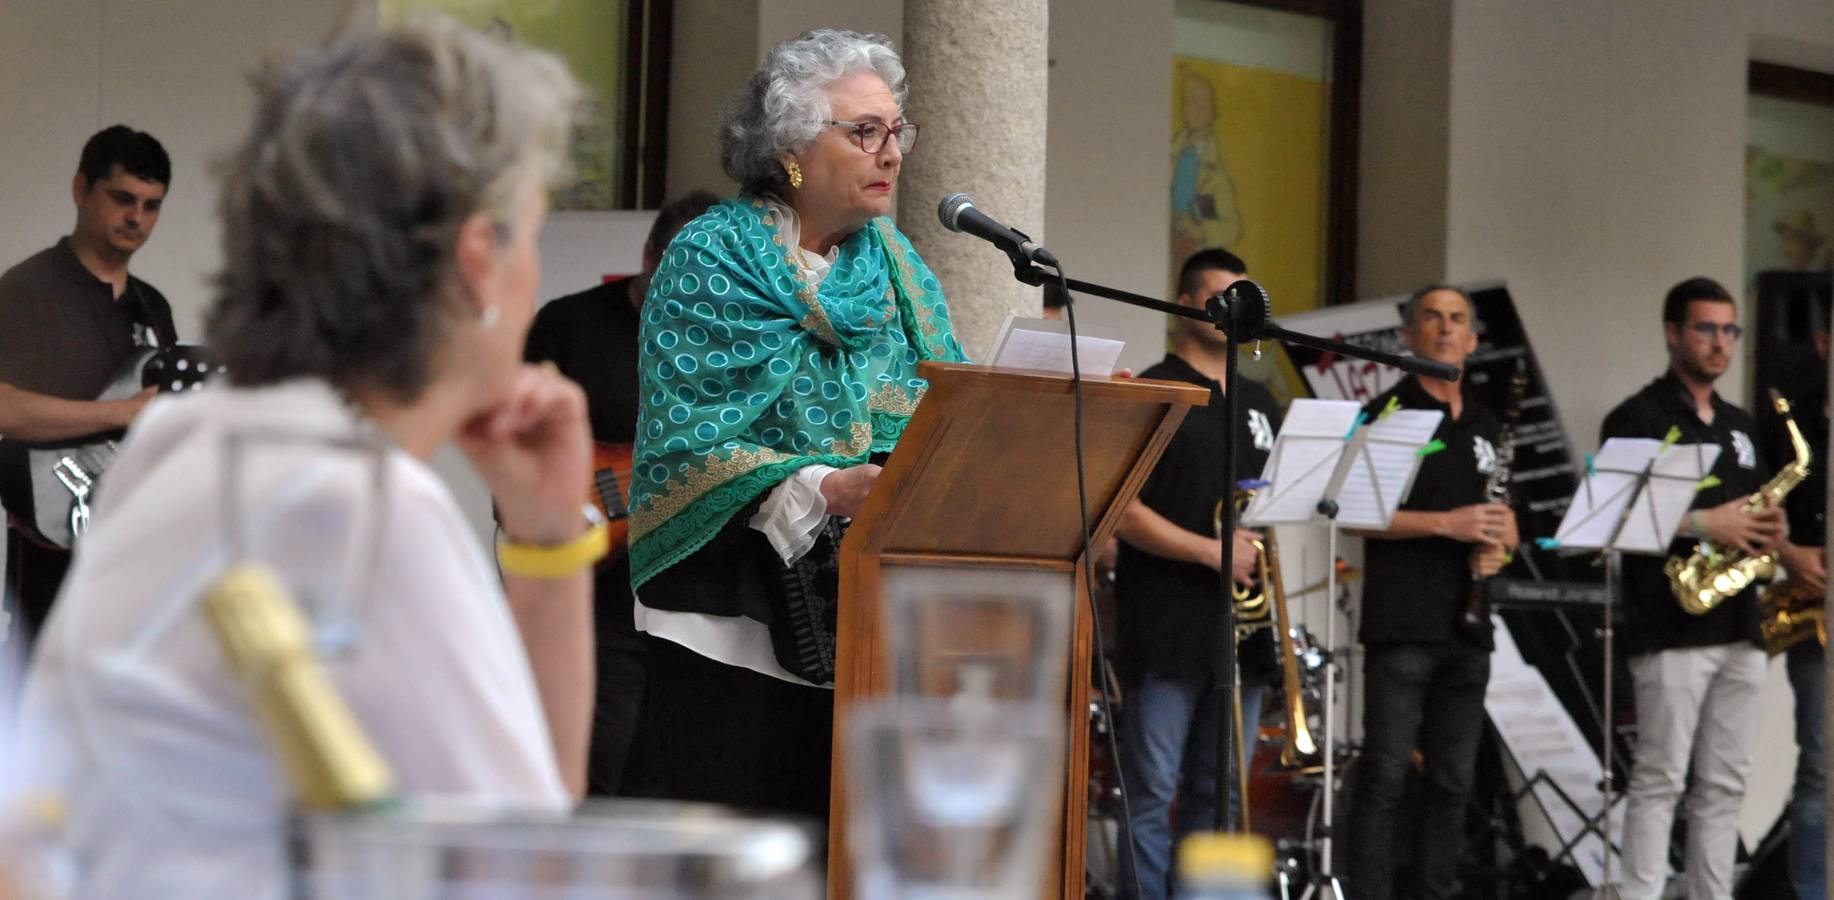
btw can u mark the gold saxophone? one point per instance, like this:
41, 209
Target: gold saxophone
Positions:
1789, 614
1715, 572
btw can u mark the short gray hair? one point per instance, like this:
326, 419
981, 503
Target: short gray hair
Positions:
1411, 308
785, 105
342, 206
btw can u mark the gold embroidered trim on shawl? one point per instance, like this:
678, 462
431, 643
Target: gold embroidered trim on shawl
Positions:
932, 332
894, 399
816, 322
677, 493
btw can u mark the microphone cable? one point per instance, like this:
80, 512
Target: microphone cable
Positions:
1088, 577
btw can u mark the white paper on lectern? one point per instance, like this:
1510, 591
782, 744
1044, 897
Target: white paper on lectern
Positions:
1306, 455
1044, 345
1610, 493
1380, 466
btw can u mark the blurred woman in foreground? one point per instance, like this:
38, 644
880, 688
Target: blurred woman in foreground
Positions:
380, 273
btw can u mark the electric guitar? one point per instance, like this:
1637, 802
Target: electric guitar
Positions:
64, 478
610, 492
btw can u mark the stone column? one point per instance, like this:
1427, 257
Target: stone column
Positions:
978, 79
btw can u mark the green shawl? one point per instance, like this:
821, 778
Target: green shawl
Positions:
746, 374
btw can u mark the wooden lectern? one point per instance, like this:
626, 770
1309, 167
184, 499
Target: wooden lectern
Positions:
983, 480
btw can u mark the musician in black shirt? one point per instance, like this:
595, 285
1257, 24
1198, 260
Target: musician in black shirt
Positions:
1803, 556
1424, 674
591, 336
70, 317
1698, 678
1168, 593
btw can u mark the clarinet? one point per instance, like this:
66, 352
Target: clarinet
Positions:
1474, 617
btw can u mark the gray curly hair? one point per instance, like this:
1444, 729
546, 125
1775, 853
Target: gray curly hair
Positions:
342, 207
785, 105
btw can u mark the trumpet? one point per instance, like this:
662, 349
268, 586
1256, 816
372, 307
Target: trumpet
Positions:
1256, 604
1250, 599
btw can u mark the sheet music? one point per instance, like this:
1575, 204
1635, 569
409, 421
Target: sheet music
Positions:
1607, 495
1044, 345
1306, 455
1319, 418
1383, 460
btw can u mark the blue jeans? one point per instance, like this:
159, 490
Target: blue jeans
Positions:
1808, 822
1168, 729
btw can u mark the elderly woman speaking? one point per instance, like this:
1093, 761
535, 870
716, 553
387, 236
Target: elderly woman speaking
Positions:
380, 272
780, 343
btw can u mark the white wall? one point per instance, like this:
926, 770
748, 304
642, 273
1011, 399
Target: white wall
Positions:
1107, 204
780, 20
716, 44
1401, 180
71, 67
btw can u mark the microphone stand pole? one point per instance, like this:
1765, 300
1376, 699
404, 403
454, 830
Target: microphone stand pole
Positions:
1241, 312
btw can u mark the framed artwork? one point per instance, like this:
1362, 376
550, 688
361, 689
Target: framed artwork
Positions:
618, 51
1789, 227
1263, 147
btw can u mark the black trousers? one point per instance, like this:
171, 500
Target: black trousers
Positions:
618, 702
715, 733
34, 573
1428, 697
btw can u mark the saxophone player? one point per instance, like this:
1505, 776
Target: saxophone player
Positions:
1697, 677
1803, 557
1424, 674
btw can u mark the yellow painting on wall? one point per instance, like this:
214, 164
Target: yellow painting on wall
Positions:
588, 35
1249, 163
1789, 211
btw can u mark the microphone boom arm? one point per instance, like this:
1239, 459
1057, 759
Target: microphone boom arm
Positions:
1248, 315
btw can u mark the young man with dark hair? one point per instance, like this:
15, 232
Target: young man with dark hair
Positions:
70, 317
1698, 678
1425, 669
591, 336
1168, 593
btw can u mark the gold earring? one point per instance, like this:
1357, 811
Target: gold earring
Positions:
794, 169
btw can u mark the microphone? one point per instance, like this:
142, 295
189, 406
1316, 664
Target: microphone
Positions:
958, 214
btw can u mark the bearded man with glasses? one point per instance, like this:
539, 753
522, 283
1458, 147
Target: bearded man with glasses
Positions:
1697, 677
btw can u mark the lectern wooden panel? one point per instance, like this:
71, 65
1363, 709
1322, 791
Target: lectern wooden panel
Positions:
984, 479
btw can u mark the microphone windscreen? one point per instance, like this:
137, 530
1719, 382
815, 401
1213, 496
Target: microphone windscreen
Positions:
950, 209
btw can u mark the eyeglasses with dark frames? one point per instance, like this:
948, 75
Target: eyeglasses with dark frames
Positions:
870, 136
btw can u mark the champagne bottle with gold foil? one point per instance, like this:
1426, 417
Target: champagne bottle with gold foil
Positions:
329, 761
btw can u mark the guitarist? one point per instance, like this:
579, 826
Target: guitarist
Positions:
70, 316
591, 337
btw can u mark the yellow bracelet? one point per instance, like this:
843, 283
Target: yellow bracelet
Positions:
556, 560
